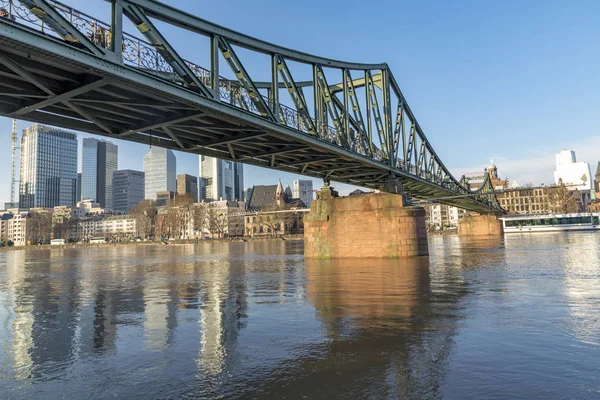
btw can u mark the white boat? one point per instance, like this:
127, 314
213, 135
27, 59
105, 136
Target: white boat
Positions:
551, 222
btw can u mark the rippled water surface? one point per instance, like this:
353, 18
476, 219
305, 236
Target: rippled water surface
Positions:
511, 318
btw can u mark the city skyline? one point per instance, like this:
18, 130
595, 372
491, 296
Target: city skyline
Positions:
491, 100
536, 170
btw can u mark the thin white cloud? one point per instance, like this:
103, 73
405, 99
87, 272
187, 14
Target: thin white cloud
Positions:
540, 165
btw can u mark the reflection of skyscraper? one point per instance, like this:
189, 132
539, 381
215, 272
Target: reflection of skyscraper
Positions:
160, 312
160, 169
223, 305
221, 179
581, 288
22, 322
48, 174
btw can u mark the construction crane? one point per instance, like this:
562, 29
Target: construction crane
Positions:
14, 162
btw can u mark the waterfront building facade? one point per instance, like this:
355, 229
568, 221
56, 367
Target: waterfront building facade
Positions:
276, 212
128, 189
188, 184
160, 172
541, 200
442, 216
221, 179
48, 167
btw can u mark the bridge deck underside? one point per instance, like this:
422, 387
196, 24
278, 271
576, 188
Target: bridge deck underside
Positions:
80, 93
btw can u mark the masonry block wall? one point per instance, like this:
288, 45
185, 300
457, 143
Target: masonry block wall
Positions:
480, 225
366, 226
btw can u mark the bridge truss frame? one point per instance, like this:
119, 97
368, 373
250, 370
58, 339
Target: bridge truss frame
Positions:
143, 90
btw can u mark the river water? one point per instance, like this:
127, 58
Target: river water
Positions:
509, 318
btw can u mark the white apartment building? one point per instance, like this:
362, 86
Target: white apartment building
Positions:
106, 226
574, 175
441, 215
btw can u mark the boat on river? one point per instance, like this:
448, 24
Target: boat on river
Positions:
550, 222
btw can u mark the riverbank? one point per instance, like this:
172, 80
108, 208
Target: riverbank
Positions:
157, 243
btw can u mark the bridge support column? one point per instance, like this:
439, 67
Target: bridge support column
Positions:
480, 225
365, 226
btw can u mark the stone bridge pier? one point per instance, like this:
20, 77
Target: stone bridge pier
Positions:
480, 225
376, 225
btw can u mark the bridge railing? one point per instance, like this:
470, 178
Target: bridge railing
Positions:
407, 151
143, 55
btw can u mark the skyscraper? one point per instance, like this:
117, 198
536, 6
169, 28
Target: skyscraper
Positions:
221, 179
127, 189
78, 190
89, 169
48, 167
187, 184
303, 190
108, 163
99, 162
159, 166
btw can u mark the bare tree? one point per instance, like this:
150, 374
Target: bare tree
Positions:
218, 221
145, 215
275, 219
562, 200
40, 227
181, 207
200, 212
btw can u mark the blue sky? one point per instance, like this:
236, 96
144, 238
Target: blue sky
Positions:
512, 81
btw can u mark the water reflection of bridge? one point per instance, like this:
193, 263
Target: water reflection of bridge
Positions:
218, 316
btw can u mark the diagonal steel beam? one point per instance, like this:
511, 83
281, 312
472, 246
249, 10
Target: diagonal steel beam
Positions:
289, 149
326, 96
162, 123
173, 136
23, 73
162, 46
244, 79
295, 94
59, 24
60, 98
233, 139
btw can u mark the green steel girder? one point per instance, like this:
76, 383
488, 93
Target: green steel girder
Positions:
162, 46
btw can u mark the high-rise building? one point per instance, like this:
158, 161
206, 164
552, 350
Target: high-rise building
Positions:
99, 162
303, 190
188, 184
108, 163
48, 172
78, 190
159, 166
221, 179
89, 169
238, 175
127, 189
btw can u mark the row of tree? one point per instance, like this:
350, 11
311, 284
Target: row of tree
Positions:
179, 218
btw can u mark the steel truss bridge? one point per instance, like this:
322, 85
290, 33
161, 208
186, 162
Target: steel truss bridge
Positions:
334, 120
